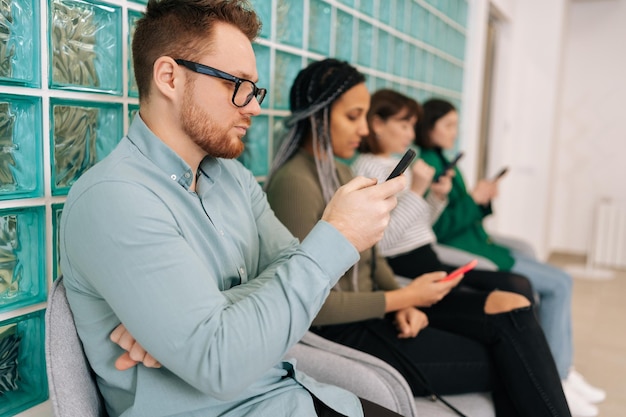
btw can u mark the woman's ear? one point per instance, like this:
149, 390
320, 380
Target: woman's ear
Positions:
377, 124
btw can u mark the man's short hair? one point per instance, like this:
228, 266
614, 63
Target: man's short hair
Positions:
184, 29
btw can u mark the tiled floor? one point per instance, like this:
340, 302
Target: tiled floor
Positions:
599, 316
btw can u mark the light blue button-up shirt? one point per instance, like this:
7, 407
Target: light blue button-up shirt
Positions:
209, 282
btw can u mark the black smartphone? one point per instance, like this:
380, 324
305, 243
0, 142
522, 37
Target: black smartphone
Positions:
403, 164
450, 165
501, 173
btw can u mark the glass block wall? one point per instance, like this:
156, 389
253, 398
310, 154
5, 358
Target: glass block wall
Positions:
67, 95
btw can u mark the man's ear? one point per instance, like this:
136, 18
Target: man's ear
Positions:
167, 76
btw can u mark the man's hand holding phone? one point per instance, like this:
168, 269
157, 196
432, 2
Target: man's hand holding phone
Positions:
360, 209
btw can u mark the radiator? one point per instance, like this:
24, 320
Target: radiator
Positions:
608, 240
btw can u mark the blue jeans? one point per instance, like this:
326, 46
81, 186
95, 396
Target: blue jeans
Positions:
555, 306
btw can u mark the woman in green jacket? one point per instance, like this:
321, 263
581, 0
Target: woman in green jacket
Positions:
460, 225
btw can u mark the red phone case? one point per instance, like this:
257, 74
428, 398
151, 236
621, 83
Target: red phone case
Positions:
461, 270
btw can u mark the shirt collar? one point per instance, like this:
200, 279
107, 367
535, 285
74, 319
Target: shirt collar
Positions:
159, 153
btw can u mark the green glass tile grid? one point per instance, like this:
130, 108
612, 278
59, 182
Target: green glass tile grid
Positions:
415, 46
31, 199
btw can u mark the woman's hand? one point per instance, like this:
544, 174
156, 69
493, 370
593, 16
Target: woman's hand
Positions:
422, 176
484, 192
442, 187
134, 354
409, 321
429, 289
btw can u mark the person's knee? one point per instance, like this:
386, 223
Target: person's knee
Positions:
503, 302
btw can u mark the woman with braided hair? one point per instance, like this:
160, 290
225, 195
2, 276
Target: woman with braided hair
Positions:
442, 338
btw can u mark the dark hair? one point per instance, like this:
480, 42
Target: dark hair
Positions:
385, 104
183, 29
312, 94
433, 110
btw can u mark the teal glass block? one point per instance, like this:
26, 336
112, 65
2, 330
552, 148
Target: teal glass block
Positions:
419, 20
400, 54
289, 15
22, 361
82, 133
319, 27
133, 17
263, 59
429, 28
278, 133
462, 13
343, 36
460, 45
256, 156
367, 7
413, 92
385, 51
382, 83
401, 88
364, 50
403, 12
57, 209
412, 63
371, 84
85, 46
263, 9
22, 257
455, 77
132, 111
21, 161
287, 68
385, 11
347, 2
19, 42
428, 67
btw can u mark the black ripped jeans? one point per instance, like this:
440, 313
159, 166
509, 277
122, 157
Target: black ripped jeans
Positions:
466, 350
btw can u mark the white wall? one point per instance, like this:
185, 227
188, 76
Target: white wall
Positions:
525, 113
591, 138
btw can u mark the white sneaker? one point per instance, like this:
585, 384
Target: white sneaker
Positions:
578, 406
584, 389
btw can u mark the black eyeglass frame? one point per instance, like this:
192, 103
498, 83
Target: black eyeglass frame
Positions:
258, 93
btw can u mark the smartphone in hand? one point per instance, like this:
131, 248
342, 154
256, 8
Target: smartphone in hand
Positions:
461, 270
403, 164
500, 174
450, 165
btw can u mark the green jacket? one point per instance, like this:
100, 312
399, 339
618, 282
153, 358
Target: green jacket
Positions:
461, 223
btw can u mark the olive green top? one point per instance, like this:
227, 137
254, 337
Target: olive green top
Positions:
295, 195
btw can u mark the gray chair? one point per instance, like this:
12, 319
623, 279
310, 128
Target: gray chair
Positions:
73, 389
376, 381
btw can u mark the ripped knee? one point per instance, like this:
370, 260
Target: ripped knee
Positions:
503, 302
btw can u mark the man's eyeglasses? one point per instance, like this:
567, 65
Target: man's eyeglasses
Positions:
244, 89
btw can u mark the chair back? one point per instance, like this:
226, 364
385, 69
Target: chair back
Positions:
73, 389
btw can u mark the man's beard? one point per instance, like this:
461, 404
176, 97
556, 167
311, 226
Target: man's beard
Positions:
206, 133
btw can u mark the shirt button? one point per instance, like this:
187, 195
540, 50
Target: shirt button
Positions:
241, 271
222, 232
173, 177
187, 175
